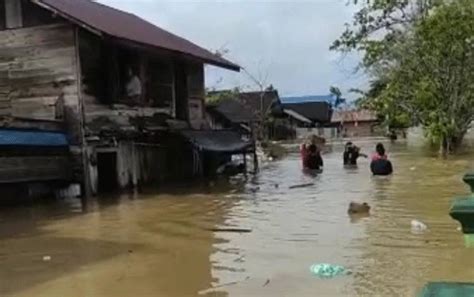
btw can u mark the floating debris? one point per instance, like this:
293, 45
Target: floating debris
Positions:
418, 227
324, 270
360, 208
230, 230
302, 186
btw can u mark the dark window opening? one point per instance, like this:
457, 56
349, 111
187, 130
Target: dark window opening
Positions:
110, 72
107, 172
128, 62
160, 84
3, 24
33, 15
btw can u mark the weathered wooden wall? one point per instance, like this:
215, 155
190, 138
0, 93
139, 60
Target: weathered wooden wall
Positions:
38, 73
27, 169
152, 163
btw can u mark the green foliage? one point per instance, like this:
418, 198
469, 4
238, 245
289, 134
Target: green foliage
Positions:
336, 92
422, 63
380, 99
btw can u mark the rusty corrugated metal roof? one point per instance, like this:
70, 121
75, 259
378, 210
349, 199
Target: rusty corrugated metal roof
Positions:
130, 27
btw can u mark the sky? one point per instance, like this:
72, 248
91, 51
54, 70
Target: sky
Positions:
282, 43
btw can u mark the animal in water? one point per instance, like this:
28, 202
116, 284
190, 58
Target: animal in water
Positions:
358, 208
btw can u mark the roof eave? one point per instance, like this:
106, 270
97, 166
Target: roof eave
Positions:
223, 64
67, 17
228, 66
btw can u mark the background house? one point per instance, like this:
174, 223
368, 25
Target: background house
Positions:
264, 107
230, 113
263, 104
317, 109
310, 115
355, 123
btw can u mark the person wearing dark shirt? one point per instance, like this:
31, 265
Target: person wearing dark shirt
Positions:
313, 159
351, 154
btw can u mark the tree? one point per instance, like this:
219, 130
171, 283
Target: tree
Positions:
390, 113
379, 26
215, 97
437, 73
423, 66
336, 92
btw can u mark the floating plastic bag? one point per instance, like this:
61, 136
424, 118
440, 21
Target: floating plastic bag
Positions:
418, 227
328, 270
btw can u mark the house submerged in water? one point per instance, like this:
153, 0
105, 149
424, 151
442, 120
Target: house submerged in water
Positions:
102, 98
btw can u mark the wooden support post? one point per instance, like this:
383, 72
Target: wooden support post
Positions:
142, 74
134, 167
245, 162
13, 14
86, 182
255, 159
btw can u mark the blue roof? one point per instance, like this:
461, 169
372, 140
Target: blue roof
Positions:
306, 99
32, 138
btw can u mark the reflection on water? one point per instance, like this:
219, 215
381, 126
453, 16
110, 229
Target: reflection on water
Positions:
160, 245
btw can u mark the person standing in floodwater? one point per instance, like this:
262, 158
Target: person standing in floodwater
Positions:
380, 164
313, 160
311, 155
351, 154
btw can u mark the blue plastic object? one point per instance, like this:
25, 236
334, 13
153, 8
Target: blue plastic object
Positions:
444, 289
324, 270
32, 138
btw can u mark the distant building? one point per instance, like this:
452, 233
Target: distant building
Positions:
316, 109
330, 99
265, 103
260, 106
230, 113
355, 123
308, 115
262, 103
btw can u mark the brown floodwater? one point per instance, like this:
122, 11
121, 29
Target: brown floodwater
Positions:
166, 244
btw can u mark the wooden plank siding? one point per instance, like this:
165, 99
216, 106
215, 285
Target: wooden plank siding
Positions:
38, 68
27, 169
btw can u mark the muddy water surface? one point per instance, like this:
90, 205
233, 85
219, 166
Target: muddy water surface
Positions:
166, 244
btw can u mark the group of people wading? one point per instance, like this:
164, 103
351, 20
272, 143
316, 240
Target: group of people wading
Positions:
312, 160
